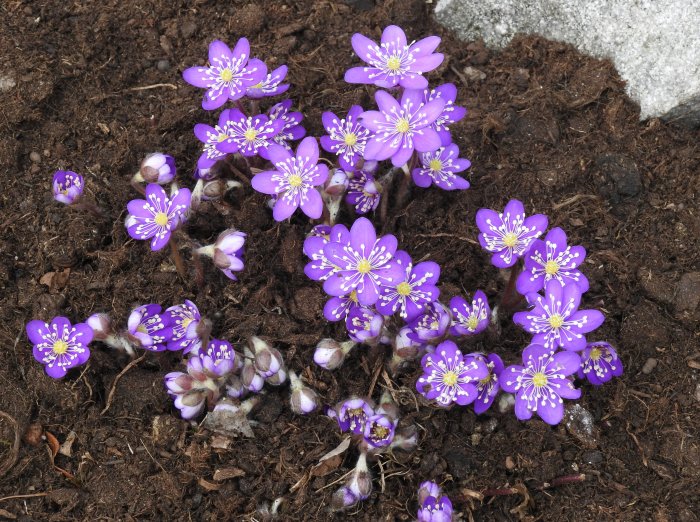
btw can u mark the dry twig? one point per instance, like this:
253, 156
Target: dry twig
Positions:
14, 452
116, 380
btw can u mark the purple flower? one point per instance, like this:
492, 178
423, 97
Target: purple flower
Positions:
363, 324
417, 289
338, 308
67, 186
211, 137
217, 361
364, 263
450, 377
59, 346
248, 135
556, 320
599, 363
431, 324
227, 252
271, 85
148, 328
450, 114
229, 74
352, 415
346, 137
364, 192
469, 320
394, 61
379, 430
291, 123
541, 384
157, 216
401, 128
320, 268
183, 332
439, 167
488, 387
188, 394
294, 180
510, 234
428, 489
552, 259
158, 168
434, 510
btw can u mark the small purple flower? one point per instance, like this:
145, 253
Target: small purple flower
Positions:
217, 361
435, 510
291, 128
439, 167
188, 394
248, 135
294, 181
450, 114
67, 186
338, 308
541, 384
59, 346
320, 268
271, 85
394, 61
346, 137
158, 168
552, 259
364, 263
510, 234
363, 324
488, 387
364, 193
428, 489
401, 128
450, 377
157, 216
352, 415
148, 328
229, 75
599, 363
469, 320
556, 320
431, 324
411, 295
211, 137
379, 430
183, 332
227, 252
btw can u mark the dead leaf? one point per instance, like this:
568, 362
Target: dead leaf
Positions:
331, 460
53, 451
7, 514
228, 423
521, 510
55, 280
228, 473
209, 486
65, 448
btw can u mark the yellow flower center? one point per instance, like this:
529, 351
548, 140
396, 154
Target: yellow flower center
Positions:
141, 329
186, 322
539, 379
556, 321
222, 137
60, 347
436, 165
393, 63
353, 296
161, 219
449, 378
595, 354
257, 86
551, 268
379, 432
510, 240
364, 267
295, 180
226, 75
250, 134
402, 126
403, 289
350, 139
486, 379
434, 325
472, 322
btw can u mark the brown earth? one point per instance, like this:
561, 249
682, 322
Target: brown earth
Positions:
546, 125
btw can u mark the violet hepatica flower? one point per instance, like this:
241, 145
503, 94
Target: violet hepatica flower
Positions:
394, 61
148, 327
509, 234
291, 128
363, 324
211, 137
541, 384
183, 332
364, 193
217, 361
431, 324
352, 415
439, 167
379, 430
401, 128
271, 85
227, 252
364, 263
552, 259
428, 489
450, 114
556, 320
450, 377
320, 268
59, 346
346, 137
599, 363
435, 510
417, 289
229, 75
67, 186
158, 168
338, 308
249, 135
157, 216
294, 181
470, 319
488, 387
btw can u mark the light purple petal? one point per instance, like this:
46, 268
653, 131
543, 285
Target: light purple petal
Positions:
284, 208
198, 76
262, 182
313, 206
219, 51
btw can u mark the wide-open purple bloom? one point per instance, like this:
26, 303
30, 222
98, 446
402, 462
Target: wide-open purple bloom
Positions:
470, 319
552, 259
509, 234
394, 62
346, 137
556, 320
352, 415
599, 363
157, 216
439, 167
364, 263
450, 377
450, 114
59, 346
431, 324
364, 193
182, 333
271, 85
229, 75
541, 384
417, 289
291, 123
67, 186
294, 180
363, 324
379, 430
148, 327
320, 268
435, 510
211, 137
401, 128
488, 387
248, 135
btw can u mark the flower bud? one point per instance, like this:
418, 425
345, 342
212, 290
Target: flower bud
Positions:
250, 378
387, 406
343, 499
158, 168
360, 482
101, 325
406, 440
234, 387
278, 378
268, 360
428, 489
337, 184
217, 188
329, 354
303, 399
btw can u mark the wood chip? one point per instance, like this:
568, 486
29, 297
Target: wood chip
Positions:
209, 486
228, 473
66, 447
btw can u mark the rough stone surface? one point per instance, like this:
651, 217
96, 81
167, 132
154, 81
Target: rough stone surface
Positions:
654, 44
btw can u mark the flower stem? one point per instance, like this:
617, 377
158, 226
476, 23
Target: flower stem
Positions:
92, 208
177, 258
511, 298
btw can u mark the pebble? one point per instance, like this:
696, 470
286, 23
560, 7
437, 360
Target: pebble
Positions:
35, 156
474, 74
579, 423
506, 402
649, 366
509, 463
6, 83
688, 292
593, 457
697, 392
163, 65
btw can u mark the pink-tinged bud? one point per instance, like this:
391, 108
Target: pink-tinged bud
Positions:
158, 168
250, 378
406, 440
101, 326
278, 378
360, 482
234, 387
178, 383
303, 399
330, 354
268, 361
388, 407
370, 166
428, 489
337, 184
343, 499
217, 188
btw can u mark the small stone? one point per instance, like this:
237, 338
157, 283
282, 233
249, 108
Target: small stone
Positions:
6, 83
592, 457
697, 392
474, 74
163, 65
476, 439
687, 293
649, 366
35, 156
618, 177
579, 423
506, 402
510, 465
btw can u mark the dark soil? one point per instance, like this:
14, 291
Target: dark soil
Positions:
546, 125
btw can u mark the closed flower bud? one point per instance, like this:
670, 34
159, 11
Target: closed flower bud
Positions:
250, 378
406, 440
217, 188
303, 399
343, 499
360, 482
101, 326
428, 489
330, 354
268, 361
337, 183
158, 168
278, 378
234, 387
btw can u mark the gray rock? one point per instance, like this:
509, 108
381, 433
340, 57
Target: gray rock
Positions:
649, 365
6, 83
688, 293
163, 65
592, 457
654, 44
